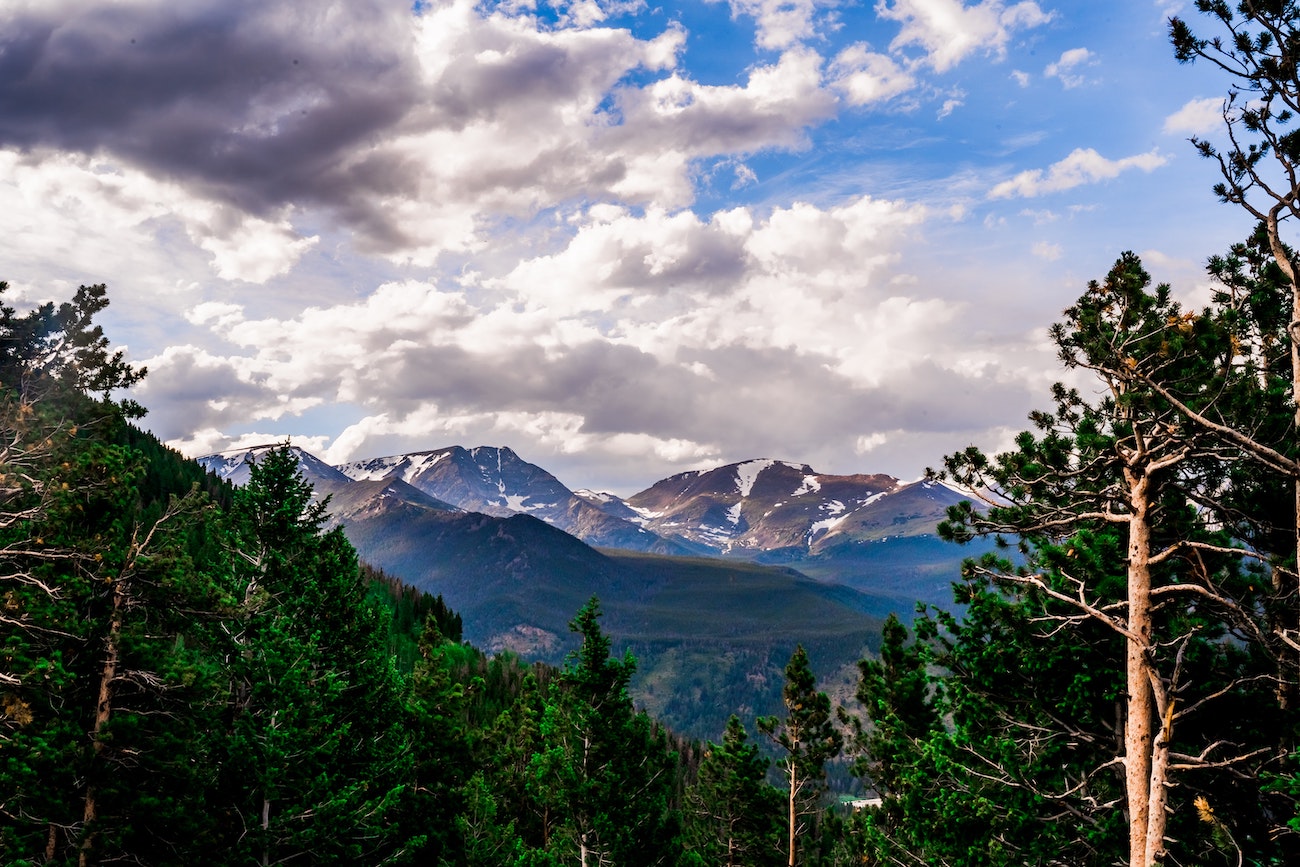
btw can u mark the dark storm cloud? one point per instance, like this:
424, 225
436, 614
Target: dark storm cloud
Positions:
256, 103
191, 390
620, 389
627, 389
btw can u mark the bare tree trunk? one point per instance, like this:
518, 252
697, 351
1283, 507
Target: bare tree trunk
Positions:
1143, 775
266, 825
1156, 815
1286, 687
103, 712
793, 812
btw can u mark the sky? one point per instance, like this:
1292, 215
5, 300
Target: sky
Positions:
625, 238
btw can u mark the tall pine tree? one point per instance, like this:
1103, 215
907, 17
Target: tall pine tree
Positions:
316, 760
808, 738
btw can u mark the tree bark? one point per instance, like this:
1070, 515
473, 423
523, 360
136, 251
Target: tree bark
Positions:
793, 810
1145, 754
1272, 225
266, 825
103, 712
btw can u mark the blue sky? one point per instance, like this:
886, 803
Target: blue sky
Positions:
624, 238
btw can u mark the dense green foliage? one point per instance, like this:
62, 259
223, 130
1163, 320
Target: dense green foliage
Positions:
193, 675
1128, 518
736, 817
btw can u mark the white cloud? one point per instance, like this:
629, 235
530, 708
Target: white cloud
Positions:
247, 248
96, 216
219, 312
210, 440
948, 31
1082, 166
555, 432
1197, 117
870, 442
586, 13
1067, 67
542, 167
780, 23
1040, 217
1021, 78
865, 77
418, 145
644, 337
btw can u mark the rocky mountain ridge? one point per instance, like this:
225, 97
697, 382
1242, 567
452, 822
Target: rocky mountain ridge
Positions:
764, 510
711, 634
758, 509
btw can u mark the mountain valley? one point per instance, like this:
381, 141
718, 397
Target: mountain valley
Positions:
710, 578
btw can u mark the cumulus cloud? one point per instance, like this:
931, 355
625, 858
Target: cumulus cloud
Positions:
781, 23
414, 132
532, 174
1068, 67
249, 100
865, 77
651, 335
1197, 117
96, 216
948, 31
1082, 166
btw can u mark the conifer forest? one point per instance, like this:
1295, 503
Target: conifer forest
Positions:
198, 674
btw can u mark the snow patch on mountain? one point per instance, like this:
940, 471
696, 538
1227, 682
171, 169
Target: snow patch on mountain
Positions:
748, 473
406, 466
809, 485
873, 498
645, 514
824, 526
419, 463
733, 515
717, 536
369, 471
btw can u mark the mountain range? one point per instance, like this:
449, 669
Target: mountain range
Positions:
709, 577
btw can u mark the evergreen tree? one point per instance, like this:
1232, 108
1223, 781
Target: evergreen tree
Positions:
735, 816
897, 693
107, 684
1126, 525
505, 756
604, 775
808, 738
317, 759
1257, 46
440, 749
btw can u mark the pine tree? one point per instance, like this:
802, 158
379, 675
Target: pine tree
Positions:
808, 738
1126, 518
604, 774
107, 679
440, 749
1258, 49
735, 816
897, 692
317, 759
